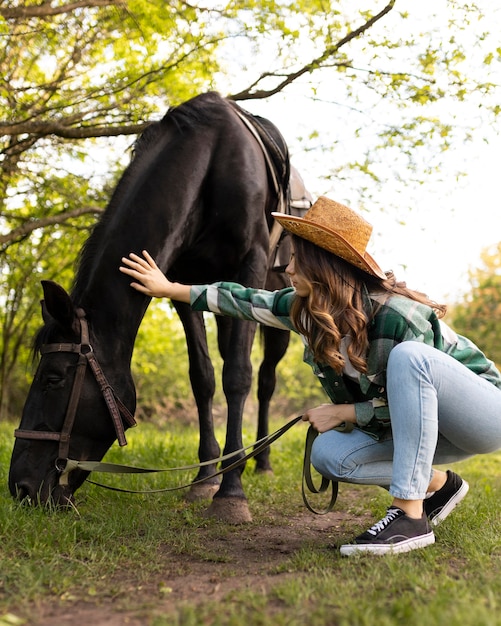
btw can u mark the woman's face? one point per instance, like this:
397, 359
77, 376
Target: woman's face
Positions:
300, 284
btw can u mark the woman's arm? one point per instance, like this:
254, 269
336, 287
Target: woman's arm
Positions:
270, 308
152, 280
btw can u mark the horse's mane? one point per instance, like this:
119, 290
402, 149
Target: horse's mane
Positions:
201, 110
198, 111
44, 335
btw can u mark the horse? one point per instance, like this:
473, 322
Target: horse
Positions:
198, 195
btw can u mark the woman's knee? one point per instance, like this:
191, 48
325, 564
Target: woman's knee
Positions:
326, 459
321, 456
353, 457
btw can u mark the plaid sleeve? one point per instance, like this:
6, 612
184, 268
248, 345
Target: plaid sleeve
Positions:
270, 308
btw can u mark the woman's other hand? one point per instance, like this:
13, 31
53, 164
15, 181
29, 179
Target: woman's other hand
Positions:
328, 416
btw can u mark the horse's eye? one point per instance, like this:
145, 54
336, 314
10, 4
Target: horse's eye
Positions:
54, 381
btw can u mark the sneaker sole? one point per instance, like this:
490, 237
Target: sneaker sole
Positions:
388, 548
451, 505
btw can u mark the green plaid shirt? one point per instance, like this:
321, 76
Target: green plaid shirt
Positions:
396, 319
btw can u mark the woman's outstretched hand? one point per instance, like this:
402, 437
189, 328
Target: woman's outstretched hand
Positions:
151, 280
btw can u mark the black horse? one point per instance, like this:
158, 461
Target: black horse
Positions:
198, 195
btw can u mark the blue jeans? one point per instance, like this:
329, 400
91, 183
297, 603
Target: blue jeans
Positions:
441, 412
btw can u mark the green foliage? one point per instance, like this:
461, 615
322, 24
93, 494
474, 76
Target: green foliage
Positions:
48, 254
160, 365
479, 316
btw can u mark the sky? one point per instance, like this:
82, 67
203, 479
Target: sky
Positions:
453, 224
444, 236
443, 226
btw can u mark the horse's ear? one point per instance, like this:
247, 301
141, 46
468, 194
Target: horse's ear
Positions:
57, 304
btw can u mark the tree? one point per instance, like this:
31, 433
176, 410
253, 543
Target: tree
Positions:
73, 71
79, 79
478, 317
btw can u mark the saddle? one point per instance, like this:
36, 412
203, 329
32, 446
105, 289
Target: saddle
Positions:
293, 197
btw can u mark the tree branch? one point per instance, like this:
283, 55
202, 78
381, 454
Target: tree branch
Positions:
248, 94
29, 226
46, 9
42, 129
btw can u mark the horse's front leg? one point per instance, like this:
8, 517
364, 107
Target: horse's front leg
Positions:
202, 379
235, 342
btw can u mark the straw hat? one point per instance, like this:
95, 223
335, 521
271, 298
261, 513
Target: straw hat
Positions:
335, 228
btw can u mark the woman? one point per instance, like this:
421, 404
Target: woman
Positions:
406, 391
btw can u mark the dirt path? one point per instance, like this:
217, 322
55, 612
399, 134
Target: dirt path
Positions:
249, 557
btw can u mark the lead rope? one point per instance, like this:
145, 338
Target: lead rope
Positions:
307, 481
115, 468
257, 447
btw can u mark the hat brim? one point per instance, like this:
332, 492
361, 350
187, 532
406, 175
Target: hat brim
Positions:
329, 240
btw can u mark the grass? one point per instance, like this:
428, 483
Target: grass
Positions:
62, 558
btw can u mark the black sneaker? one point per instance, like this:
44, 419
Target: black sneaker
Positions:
438, 506
395, 533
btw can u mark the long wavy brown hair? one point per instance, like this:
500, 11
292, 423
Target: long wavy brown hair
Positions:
334, 307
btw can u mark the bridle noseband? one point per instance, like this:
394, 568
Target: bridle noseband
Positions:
118, 411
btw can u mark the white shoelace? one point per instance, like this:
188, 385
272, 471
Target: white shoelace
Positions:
382, 524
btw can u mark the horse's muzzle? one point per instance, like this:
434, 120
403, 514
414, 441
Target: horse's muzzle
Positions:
59, 497
47, 492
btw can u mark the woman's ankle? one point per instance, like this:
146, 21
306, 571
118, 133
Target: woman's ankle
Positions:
412, 508
438, 480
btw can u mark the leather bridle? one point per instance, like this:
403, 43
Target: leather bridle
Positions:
118, 411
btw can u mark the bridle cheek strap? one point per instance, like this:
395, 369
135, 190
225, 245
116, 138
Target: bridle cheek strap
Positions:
71, 411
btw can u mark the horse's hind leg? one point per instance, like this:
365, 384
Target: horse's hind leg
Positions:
275, 343
202, 380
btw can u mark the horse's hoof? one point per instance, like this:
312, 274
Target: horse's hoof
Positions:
204, 491
230, 510
267, 471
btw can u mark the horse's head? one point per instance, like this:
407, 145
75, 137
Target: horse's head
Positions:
71, 411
